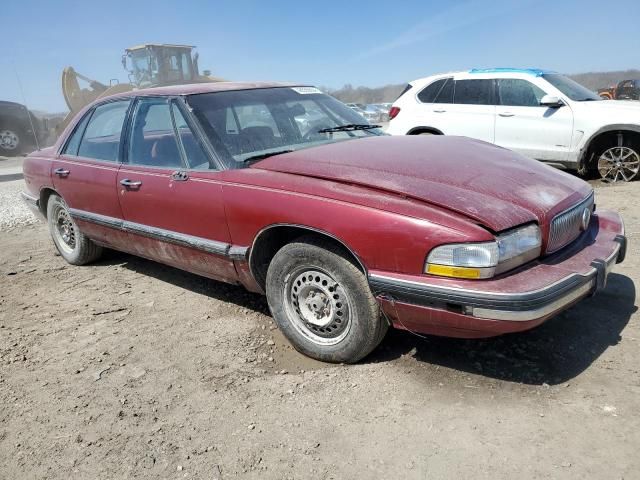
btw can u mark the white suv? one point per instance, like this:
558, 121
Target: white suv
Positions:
543, 115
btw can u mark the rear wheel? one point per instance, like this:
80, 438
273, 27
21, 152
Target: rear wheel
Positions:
74, 247
322, 302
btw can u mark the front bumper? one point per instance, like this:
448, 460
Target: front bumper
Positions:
515, 301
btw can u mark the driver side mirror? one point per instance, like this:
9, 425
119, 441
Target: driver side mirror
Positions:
551, 101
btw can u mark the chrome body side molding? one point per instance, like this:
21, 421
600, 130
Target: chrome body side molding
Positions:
233, 252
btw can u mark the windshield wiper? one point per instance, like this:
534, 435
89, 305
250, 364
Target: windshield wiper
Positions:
350, 127
262, 156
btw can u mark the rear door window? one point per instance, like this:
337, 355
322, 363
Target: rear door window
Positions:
101, 139
474, 92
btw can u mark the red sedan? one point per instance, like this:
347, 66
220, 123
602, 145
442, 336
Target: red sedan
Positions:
290, 193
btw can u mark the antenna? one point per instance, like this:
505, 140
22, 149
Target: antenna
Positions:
24, 100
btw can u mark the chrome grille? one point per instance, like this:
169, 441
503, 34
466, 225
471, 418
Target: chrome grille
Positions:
566, 226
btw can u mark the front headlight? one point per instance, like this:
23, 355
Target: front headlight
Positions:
484, 260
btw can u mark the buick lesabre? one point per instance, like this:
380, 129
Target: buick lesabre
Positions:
288, 192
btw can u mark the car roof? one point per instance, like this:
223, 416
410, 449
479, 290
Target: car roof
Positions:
199, 88
488, 73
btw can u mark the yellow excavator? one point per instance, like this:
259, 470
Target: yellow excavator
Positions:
148, 65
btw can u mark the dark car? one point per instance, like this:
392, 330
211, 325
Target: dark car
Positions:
347, 230
20, 130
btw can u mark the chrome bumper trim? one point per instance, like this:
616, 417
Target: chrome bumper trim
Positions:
519, 307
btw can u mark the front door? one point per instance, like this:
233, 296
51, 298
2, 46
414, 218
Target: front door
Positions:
176, 219
85, 172
526, 127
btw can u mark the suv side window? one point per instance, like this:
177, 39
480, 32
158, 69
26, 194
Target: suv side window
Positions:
431, 91
474, 92
101, 139
519, 93
153, 139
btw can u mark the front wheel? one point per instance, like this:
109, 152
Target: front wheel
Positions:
322, 302
619, 163
73, 245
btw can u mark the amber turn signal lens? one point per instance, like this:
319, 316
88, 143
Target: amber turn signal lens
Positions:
456, 272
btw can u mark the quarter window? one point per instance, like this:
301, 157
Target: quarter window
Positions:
101, 138
153, 139
519, 93
474, 92
430, 92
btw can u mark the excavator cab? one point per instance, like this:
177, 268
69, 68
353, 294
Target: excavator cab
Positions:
151, 65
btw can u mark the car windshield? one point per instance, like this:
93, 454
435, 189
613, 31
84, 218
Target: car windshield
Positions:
571, 88
247, 125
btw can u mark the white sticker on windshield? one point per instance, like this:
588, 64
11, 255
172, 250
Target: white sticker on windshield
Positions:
305, 90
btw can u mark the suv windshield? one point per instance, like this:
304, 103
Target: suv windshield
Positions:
246, 125
570, 88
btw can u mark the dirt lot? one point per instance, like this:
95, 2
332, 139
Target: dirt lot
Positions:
130, 369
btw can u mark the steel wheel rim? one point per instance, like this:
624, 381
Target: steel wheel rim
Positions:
619, 163
9, 140
317, 305
64, 229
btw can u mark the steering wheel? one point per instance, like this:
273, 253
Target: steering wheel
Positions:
314, 134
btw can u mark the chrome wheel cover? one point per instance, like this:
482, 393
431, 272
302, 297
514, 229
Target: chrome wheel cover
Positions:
9, 140
64, 229
619, 163
317, 306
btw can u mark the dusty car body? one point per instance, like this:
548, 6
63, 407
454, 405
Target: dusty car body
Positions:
345, 235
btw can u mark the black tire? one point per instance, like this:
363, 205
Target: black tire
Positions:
320, 270
12, 141
73, 245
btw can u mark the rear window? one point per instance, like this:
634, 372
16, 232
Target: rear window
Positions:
474, 92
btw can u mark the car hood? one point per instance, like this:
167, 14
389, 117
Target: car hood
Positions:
490, 185
612, 106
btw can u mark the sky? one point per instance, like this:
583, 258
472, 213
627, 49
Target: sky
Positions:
370, 43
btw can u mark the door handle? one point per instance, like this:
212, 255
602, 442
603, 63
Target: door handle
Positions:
440, 111
130, 183
180, 176
61, 172
506, 114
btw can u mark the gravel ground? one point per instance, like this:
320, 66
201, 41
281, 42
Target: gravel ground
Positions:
130, 369
13, 211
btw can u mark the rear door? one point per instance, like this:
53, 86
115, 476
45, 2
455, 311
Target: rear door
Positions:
85, 172
466, 108
526, 127
175, 217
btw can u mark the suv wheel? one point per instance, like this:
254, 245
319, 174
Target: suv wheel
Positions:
618, 163
10, 141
